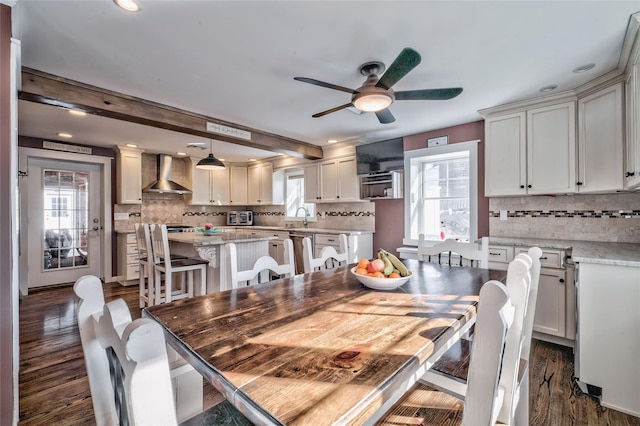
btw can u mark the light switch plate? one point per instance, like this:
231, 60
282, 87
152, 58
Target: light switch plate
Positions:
503, 215
121, 216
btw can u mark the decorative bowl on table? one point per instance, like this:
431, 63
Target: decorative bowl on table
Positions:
383, 283
209, 231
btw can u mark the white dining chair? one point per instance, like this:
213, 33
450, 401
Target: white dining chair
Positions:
328, 257
143, 240
425, 405
455, 253
451, 371
166, 265
262, 270
132, 377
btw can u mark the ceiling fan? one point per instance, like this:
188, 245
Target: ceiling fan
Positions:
375, 95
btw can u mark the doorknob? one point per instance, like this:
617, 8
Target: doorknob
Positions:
95, 228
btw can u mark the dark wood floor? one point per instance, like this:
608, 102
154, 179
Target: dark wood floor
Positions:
54, 389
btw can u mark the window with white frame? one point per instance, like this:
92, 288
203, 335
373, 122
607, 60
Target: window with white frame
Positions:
441, 186
294, 197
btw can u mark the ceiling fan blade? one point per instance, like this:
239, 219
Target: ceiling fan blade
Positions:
385, 116
428, 94
407, 60
329, 111
323, 84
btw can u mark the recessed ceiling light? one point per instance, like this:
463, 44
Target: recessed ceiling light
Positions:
549, 88
128, 5
77, 112
181, 153
583, 68
332, 141
132, 145
65, 135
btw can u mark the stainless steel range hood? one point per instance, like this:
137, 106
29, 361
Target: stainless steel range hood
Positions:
164, 182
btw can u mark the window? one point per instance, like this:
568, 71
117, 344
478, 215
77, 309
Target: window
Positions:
59, 207
441, 193
294, 200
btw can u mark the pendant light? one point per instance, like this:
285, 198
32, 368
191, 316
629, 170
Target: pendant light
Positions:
211, 162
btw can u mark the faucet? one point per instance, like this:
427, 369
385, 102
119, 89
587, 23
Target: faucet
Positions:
304, 221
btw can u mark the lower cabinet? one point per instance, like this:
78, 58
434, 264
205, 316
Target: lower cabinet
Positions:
128, 262
276, 247
360, 245
555, 307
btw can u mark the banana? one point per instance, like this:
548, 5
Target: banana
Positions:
395, 262
388, 266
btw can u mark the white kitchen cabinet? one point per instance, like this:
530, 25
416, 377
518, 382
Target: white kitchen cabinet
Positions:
632, 155
276, 247
209, 187
551, 149
555, 306
260, 184
238, 185
332, 181
608, 341
359, 245
129, 175
531, 151
312, 183
506, 155
600, 141
128, 261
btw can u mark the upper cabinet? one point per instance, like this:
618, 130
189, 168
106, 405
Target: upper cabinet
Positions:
238, 186
260, 184
632, 169
332, 181
531, 150
208, 187
129, 175
600, 141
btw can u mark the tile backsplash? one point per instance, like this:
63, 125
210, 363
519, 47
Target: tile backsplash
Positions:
601, 217
171, 209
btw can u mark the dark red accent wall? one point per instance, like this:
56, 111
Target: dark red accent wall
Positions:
390, 213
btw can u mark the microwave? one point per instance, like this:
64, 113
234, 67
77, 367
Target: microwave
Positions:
239, 218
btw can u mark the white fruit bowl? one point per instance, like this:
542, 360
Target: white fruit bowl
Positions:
380, 283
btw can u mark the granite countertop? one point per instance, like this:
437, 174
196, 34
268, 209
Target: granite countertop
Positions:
199, 239
608, 253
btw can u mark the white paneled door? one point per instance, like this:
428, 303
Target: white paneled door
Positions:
64, 223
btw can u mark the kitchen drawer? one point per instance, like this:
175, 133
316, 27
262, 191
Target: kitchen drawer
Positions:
132, 259
131, 239
500, 254
328, 240
132, 249
133, 271
280, 235
254, 233
549, 258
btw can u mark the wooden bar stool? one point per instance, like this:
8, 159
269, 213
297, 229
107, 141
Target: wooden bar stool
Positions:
328, 258
163, 263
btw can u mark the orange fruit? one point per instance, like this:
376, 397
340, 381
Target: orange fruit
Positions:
378, 274
361, 271
394, 275
363, 263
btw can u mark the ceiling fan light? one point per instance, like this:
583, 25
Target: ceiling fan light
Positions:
372, 102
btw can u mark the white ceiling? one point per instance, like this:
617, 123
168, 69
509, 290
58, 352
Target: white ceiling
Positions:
235, 61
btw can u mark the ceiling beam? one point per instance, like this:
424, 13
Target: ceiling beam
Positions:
44, 88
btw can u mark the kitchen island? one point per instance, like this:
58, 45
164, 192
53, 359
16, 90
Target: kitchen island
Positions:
211, 248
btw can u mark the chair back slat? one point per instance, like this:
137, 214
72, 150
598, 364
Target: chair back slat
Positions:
262, 269
451, 251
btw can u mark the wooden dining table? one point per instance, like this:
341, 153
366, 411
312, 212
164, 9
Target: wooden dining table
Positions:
321, 348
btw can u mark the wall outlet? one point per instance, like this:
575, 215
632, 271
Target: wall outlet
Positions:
323, 215
121, 216
503, 215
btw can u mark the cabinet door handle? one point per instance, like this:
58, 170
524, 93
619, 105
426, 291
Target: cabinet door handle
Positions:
629, 174
562, 280
494, 254
544, 258
578, 183
522, 186
528, 186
